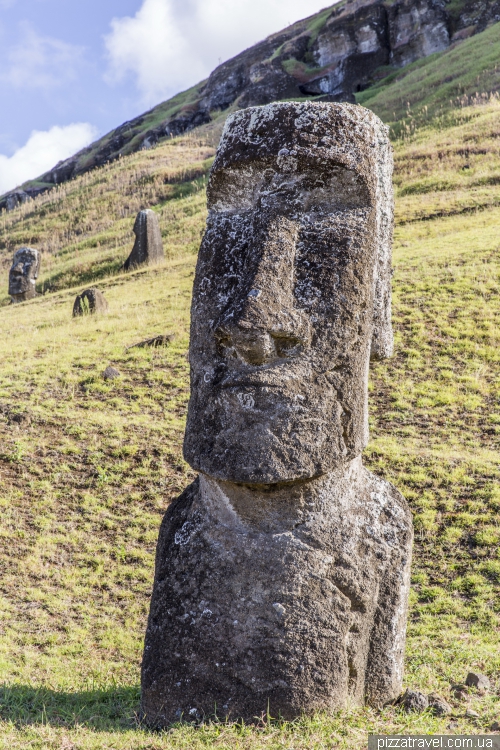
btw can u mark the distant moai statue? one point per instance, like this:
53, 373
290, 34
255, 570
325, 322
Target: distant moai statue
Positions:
148, 247
282, 572
23, 274
90, 301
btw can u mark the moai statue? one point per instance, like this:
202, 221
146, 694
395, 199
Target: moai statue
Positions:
148, 246
282, 572
23, 274
89, 302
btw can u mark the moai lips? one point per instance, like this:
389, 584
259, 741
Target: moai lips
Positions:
23, 274
282, 572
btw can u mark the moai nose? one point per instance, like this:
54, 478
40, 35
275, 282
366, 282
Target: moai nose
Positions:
263, 324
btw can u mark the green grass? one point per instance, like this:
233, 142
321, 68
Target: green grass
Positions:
89, 466
437, 85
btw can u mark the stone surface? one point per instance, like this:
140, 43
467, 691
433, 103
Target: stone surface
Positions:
282, 573
89, 302
417, 28
477, 680
148, 247
293, 598
161, 340
292, 289
111, 373
439, 705
23, 274
495, 727
459, 692
414, 702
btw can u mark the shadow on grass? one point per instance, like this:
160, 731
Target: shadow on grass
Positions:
110, 709
82, 273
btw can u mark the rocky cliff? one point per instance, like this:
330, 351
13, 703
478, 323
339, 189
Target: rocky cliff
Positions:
329, 56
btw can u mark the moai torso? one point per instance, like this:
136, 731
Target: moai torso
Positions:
148, 246
282, 574
23, 274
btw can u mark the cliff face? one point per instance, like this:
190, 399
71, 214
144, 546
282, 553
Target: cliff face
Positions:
329, 56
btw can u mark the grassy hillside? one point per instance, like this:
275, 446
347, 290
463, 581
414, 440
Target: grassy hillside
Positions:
439, 85
88, 466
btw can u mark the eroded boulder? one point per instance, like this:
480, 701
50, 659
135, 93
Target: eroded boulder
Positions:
148, 247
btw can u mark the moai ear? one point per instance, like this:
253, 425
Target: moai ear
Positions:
383, 339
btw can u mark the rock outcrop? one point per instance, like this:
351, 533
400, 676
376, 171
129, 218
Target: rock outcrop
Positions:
282, 573
23, 274
331, 55
148, 246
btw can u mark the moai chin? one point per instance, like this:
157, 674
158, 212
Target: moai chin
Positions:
148, 245
23, 274
282, 572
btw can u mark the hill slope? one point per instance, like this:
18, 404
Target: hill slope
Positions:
331, 55
88, 466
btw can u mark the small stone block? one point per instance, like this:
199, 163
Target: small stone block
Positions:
415, 702
111, 373
162, 340
439, 706
459, 692
477, 680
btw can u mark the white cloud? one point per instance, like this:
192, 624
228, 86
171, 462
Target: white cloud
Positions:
40, 62
172, 44
42, 152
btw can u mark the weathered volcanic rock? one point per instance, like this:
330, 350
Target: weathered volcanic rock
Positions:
477, 680
164, 339
417, 28
111, 373
292, 599
148, 247
296, 257
414, 701
23, 274
438, 705
282, 573
90, 301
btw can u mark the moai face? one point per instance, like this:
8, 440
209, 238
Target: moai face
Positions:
23, 274
292, 292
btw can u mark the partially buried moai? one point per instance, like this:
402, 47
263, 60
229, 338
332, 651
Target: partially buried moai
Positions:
23, 274
282, 572
148, 246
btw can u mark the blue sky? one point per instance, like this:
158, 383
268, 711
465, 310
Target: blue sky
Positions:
71, 70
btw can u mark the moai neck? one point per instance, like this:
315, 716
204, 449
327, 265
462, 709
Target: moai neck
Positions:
278, 508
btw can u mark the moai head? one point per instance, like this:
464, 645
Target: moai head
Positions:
23, 274
292, 292
148, 246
